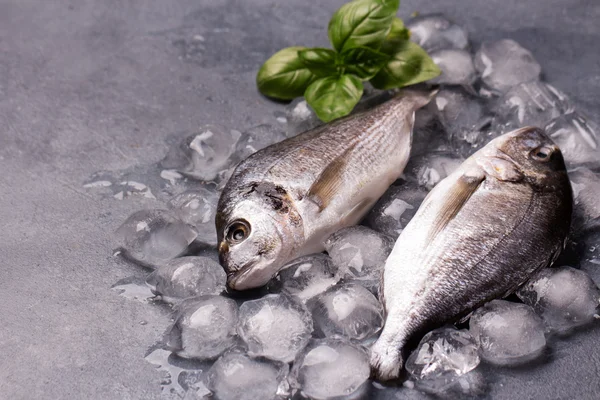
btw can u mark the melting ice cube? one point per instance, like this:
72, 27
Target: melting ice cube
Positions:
347, 310
275, 327
152, 237
564, 297
186, 277
504, 64
508, 333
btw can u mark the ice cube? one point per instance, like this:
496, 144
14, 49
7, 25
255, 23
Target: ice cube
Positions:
564, 297
442, 356
577, 137
508, 333
394, 210
464, 117
429, 133
275, 327
586, 192
308, 276
329, 368
300, 117
347, 310
205, 154
428, 170
257, 138
456, 66
235, 376
198, 208
359, 253
590, 254
435, 32
204, 327
152, 237
504, 64
186, 277
529, 104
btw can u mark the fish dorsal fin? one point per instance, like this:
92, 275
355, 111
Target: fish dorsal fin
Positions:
327, 185
457, 195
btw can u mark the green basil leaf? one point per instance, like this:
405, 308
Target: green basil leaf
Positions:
409, 64
284, 75
362, 23
334, 97
397, 35
321, 62
363, 61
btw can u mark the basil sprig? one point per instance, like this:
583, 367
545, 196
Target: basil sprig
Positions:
369, 44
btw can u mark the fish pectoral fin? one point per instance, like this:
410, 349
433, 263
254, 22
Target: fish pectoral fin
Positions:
459, 193
327, 185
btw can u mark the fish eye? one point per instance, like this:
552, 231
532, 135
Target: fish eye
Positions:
238, 231
542, 154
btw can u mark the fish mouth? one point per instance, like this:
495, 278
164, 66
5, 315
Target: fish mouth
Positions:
235, 276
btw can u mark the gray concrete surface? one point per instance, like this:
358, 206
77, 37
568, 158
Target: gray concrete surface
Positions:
99, 84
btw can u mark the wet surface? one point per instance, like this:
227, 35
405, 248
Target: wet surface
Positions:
102, 85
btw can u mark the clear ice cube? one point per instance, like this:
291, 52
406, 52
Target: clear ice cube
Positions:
198, 208
257, 138
330, 368
186, 277
359, 253
442, 356
300, 117
152, 237
275, 327
504, 64
204, 327
203, 155
590, 254
347, 310
529, 104
564, 297
464, 117
394, 210
307, 276
586, 192
508, 333
429, 133
456, 65
236, 376
428, 170
577, 137
435, 32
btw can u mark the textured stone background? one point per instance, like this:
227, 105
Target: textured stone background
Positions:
99, 84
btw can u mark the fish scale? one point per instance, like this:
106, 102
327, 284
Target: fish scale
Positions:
289, 197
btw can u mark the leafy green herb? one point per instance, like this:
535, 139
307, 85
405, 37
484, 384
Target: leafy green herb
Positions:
409, 64
362, 23
284, 76
334, 96
321, 62
370, 43
364, 62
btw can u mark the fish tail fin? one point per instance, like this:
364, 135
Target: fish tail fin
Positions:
386, 359
418, 97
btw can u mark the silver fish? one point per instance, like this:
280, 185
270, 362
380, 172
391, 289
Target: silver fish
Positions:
283, 201
479, 235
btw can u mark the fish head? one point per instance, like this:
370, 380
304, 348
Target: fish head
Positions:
526, 153
257, 236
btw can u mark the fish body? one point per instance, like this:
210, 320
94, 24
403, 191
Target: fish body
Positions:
479, 235
283, 201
